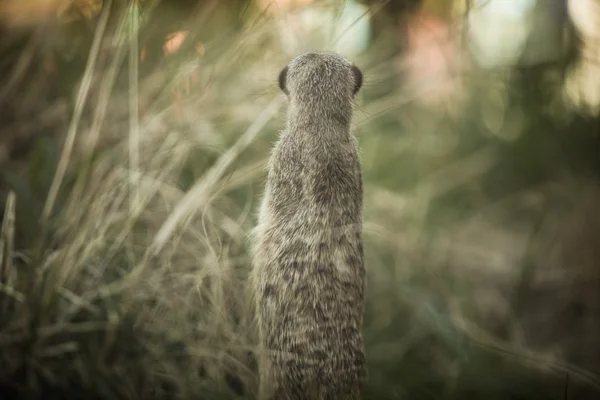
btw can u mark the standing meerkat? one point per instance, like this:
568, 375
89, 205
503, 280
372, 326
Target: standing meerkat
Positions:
309, 276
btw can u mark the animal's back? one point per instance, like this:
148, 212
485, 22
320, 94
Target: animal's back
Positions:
309, 273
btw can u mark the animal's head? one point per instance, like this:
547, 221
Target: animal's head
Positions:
319, 78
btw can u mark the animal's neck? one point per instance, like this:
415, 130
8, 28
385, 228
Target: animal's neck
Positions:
318, 119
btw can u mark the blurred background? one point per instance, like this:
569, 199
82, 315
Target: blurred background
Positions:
133, 143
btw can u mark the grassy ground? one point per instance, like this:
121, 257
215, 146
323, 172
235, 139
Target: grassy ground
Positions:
124, 236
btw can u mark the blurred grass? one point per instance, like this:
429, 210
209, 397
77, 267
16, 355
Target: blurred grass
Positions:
130, 282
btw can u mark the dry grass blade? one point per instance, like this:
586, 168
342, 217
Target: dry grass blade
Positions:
7, 243
21, 67
202, 191
134, 126
370, 11
82, 96
525, 355
460, 172
105, 91
7, 239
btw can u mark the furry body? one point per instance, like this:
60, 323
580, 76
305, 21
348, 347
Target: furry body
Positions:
308, 275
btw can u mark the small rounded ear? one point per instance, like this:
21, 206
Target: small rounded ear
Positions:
358, 78
282, 79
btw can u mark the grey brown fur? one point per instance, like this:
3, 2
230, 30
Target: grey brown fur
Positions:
308, 275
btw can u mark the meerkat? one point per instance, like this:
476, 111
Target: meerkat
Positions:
308, 275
